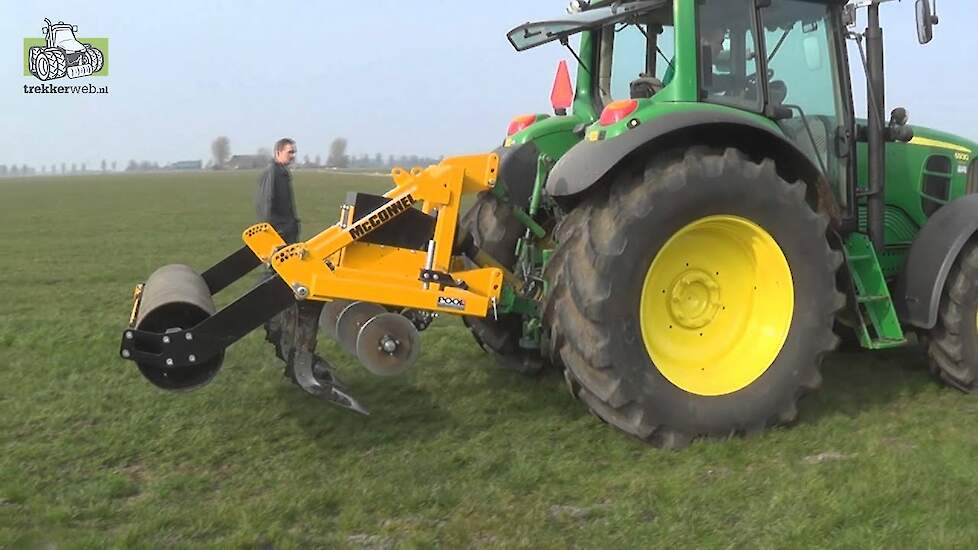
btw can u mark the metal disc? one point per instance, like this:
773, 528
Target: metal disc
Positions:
329, 316
351, 319
388, 344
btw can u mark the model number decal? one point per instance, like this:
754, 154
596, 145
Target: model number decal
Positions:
451, 303
963, 157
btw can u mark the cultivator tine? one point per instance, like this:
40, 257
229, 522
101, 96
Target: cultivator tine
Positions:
298, 342
327, 390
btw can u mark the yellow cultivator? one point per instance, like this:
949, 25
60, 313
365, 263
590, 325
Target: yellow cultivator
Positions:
383, 270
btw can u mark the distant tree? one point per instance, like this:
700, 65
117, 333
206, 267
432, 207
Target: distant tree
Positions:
44, 169
3, 170
145, 166
132, 167
305, 161
337, 154
113, 166
26, 170
105, 165
83, 168
319, 161
378, 160
74, 168
62, 168
264, 156
54, 168
14, 171
221, 150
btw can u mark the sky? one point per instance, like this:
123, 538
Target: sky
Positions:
392, 77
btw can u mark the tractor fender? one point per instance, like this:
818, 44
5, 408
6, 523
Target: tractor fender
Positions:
933, 253
588, 162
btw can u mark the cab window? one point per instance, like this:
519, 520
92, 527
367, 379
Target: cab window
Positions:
727, 53
636, 56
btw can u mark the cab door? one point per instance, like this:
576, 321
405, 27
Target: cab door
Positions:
808, 88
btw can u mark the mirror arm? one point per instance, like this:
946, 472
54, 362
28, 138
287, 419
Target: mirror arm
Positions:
564, 42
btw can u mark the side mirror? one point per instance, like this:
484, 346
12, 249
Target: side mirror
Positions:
899, 117
925, 22
898, 129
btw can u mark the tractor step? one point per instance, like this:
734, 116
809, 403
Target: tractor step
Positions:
879, 326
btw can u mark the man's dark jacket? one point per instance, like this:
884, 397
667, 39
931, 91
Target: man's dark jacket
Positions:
275, 202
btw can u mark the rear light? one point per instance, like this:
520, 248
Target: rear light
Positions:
521, 123
616, 111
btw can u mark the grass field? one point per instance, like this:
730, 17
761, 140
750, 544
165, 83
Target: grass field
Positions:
456, 454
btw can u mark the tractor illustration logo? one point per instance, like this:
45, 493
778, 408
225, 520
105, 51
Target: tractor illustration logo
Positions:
63, 55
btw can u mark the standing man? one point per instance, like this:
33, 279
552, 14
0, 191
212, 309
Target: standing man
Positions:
275, 204
293, 331
275, 200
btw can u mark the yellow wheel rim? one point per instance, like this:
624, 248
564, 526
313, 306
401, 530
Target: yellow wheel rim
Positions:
717, 305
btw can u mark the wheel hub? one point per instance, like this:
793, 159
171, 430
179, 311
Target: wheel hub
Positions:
694, 299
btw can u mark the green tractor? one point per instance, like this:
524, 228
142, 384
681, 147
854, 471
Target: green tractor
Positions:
704, 217
686, 238
63, 55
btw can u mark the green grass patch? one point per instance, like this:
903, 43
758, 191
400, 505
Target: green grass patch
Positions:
455, 454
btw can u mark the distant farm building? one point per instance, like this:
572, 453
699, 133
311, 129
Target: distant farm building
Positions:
187, 165
247, 162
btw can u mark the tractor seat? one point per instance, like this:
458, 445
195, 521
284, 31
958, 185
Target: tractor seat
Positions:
777, 91
645, 86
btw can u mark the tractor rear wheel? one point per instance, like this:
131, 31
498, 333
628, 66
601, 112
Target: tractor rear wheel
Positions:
94, 57
54, 63
32, 54
695, 297
953, 343
495, 230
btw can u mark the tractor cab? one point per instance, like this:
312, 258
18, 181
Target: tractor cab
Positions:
778, 65
62, 35
785, 65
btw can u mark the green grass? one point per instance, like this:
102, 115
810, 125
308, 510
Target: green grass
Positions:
456, 453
